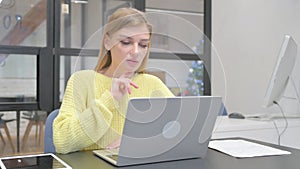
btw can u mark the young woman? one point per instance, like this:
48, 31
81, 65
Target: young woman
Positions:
93, 110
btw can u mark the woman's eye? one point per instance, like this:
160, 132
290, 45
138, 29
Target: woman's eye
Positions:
125, 42
143, 45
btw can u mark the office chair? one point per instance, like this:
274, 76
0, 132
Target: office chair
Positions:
48, 137
4, 126
224, 112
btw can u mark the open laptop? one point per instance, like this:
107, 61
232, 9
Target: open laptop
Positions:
165, 129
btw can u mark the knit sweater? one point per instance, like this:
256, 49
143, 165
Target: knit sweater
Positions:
89, 117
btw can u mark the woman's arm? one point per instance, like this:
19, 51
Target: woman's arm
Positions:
82, 119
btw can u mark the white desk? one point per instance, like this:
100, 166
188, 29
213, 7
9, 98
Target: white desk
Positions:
258, 130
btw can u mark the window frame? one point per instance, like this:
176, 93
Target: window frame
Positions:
48, 59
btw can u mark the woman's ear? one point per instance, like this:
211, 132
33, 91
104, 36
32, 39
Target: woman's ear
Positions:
107, 42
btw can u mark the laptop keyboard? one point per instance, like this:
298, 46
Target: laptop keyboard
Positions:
113, 151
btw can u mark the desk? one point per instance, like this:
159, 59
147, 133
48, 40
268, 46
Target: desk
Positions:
213, 160
258, 130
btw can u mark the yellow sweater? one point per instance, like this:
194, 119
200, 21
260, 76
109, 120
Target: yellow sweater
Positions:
89, 117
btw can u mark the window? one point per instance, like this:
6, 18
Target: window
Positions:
44, 41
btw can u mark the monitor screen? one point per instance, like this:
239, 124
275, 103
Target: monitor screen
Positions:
282, 71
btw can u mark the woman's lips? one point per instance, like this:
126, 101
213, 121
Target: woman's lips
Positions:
132, 62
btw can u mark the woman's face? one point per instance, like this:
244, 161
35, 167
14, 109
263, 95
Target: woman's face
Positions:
128, 48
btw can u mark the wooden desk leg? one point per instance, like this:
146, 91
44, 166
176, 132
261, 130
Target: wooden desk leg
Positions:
18, 131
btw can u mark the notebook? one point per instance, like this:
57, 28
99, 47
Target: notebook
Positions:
165, 129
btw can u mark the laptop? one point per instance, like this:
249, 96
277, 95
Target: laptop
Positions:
165, 129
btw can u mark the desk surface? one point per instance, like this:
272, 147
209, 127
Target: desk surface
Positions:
259, 130
225, 124
213, 160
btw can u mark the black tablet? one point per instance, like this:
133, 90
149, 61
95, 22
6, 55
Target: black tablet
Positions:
37, 161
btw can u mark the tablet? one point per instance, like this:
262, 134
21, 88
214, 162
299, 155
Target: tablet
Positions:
37, 161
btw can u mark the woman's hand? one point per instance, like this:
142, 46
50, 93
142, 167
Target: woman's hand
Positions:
121, 86
115, 144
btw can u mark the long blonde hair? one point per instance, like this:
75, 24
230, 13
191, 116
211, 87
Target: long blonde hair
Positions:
123, 17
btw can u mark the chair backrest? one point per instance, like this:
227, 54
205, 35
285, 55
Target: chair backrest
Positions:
224, 112
48, 138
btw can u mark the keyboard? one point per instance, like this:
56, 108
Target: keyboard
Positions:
113, 151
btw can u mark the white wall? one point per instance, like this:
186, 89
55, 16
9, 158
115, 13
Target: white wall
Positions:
247, 36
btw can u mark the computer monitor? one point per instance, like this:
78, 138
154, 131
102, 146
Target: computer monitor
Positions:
282, 71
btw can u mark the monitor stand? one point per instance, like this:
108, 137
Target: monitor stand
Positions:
295, 88
287, 115
273, 116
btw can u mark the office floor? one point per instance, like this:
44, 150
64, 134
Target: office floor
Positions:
32, 145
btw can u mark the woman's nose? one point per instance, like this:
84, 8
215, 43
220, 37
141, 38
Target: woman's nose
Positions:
135, 48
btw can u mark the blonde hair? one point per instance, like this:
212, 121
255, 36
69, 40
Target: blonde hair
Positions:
123, 17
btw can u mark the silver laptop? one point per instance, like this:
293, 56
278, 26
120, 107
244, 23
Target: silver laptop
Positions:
165, 129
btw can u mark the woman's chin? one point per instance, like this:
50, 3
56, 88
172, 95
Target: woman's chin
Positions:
132, 68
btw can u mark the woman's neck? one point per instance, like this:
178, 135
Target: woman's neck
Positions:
110, 72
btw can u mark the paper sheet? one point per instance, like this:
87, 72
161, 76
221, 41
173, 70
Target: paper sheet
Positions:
242, 148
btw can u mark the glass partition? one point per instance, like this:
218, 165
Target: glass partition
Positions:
18, 79
178, 27
183, 77
80, 20
23, 23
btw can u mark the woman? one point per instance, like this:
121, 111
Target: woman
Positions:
92, 112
